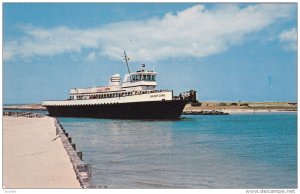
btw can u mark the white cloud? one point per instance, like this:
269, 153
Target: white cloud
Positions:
194, 32
289, 39
91, 57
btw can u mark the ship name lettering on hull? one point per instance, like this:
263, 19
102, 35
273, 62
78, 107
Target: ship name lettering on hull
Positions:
156, 95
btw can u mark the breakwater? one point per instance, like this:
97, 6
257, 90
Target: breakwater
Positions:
33, 155
83, 171
23, 114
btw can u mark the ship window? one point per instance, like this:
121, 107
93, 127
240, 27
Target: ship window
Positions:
138, 77
133, 77
153, 77
148, 77
144, 77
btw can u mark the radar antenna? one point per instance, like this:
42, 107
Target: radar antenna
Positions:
126, 58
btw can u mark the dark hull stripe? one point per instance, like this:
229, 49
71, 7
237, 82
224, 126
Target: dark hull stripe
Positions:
137, 110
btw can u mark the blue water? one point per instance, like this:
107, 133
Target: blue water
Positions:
231, 151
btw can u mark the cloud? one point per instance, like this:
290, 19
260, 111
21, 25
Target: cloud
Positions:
194, 32
289, 39
91, 57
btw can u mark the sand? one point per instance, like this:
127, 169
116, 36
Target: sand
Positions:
31, 158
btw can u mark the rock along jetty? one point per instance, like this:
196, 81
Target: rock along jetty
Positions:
203, 112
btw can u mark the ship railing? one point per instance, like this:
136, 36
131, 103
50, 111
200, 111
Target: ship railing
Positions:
120, 94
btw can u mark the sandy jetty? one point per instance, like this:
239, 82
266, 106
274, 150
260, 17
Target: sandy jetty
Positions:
33, 157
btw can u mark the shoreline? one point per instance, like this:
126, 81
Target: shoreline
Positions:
233, 111
24, 107
34, 155
243, 107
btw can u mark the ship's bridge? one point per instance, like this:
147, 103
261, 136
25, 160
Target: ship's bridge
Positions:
140, 80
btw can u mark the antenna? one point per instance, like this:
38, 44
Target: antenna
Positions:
126, 58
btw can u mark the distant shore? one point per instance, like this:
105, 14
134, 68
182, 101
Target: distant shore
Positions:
225, 107
243, 107
24, 107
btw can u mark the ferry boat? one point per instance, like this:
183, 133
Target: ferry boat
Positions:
134, 98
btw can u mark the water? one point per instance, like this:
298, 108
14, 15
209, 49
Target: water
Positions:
234, 151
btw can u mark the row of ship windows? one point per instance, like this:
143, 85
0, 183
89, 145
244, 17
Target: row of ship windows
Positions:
113, 95
142, 77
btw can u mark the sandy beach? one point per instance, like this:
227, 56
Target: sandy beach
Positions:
33, 157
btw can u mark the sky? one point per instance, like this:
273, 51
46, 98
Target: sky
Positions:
224, 51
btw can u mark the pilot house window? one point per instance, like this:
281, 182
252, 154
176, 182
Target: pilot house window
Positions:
142, 77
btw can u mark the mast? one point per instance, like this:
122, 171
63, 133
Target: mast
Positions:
126, 58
